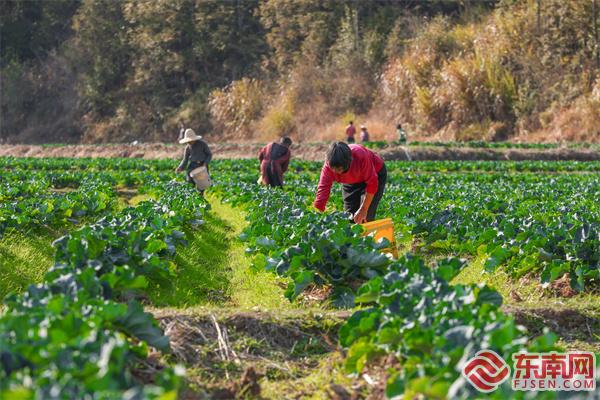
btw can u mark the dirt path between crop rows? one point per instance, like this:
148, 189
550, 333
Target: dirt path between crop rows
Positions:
305, 151
230, 354
292, 354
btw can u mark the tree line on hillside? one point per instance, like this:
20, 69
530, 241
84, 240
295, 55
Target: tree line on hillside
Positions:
113, 71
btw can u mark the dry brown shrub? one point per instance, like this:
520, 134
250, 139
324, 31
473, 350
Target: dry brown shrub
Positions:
279, 118
313, 103
492, 78
407, 89
236, 106
577, 122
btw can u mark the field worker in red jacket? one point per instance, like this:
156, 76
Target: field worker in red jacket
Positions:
350, 132
363, 175
274, 161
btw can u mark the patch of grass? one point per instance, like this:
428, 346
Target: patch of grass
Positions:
137, 199
579, 345
575, 319
317, 384
214, 269
248, 289
130, 197
202, 269
527, 291
24, 258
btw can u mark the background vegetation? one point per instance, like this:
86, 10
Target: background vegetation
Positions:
108, 71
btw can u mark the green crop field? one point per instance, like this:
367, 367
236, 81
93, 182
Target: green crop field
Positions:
120, 281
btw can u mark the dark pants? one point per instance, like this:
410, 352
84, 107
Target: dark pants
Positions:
272, 177
350, 139
352, 195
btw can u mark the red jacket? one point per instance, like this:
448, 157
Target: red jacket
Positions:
350, 131
274, 161
364, 168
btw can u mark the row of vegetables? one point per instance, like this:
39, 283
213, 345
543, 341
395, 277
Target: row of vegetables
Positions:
57, 199
16, 180
545, 225
133, 165
83, 164
82, 333
29, 205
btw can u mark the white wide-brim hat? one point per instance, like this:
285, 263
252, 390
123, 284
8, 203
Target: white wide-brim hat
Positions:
189, 136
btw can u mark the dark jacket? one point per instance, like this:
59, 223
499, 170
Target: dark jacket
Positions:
196, 154
274, 161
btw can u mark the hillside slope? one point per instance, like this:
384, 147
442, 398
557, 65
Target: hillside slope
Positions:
97, 72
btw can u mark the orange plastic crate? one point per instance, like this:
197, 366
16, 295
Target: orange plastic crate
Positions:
382, 228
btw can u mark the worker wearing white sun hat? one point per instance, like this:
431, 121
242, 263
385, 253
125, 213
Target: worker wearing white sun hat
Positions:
196, 153
364, 134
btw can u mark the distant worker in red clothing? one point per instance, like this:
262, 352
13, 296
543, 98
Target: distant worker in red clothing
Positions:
361, 171
274, 161
350, 132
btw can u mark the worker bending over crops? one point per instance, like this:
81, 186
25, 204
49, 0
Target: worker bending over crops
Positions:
274, 161
196, 153
363, 175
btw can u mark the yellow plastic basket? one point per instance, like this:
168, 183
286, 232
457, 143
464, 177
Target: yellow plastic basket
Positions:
382, 228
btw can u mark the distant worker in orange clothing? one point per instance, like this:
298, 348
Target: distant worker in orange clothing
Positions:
274, 161
350, 132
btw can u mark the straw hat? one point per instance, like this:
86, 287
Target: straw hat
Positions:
189, 136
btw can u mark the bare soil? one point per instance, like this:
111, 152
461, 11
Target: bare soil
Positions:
305, 151
232, 354
572, 326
